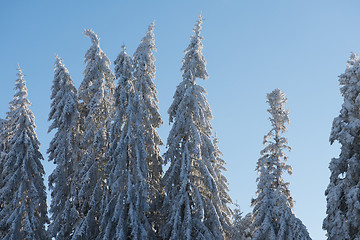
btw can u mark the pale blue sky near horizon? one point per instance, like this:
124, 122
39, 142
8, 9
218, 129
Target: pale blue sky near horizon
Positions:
251, 48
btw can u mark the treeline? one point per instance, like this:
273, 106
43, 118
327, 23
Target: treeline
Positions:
109, 181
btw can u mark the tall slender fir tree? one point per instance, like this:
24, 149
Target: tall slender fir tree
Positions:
273, 217
343, 193
193, 202
64, 152
125, 216
23, 213
144, 74
96, 108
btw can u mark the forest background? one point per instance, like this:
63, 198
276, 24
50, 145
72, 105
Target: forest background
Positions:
251, 48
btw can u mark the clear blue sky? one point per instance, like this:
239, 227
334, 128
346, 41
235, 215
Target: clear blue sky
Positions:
251, 47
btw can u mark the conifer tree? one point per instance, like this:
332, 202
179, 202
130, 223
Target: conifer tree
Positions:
64, 152
96, 108
273, 217
144, 74
241, 225
342, 194
23, 213
192, 204
125, 216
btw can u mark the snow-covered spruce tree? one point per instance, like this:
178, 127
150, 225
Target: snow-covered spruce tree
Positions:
241, 225
96, 108
192, 205
64, 152
342, 194
144, 74
23, 213
273, 217
125, 216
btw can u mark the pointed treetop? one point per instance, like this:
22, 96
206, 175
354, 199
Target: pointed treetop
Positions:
149, 37
143, 58
151, 26
94, 38
276, 96
198, 26
147, 44
59, 66
58, 59
353, 56
20, 80
194, 63
277, 100
19, 72
59, 63
20, 85
123, 64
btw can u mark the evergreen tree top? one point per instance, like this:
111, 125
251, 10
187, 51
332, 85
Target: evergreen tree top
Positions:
20, 103
144, 59
194, 63
344, 125
62, 78
149, 39
198, 26
95, 52
149, 35
20, 87
63, 96
19, 106
96, 72
92, 35
59, 64
279, 116
59, 67
123, 64
276, 144
349, 80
